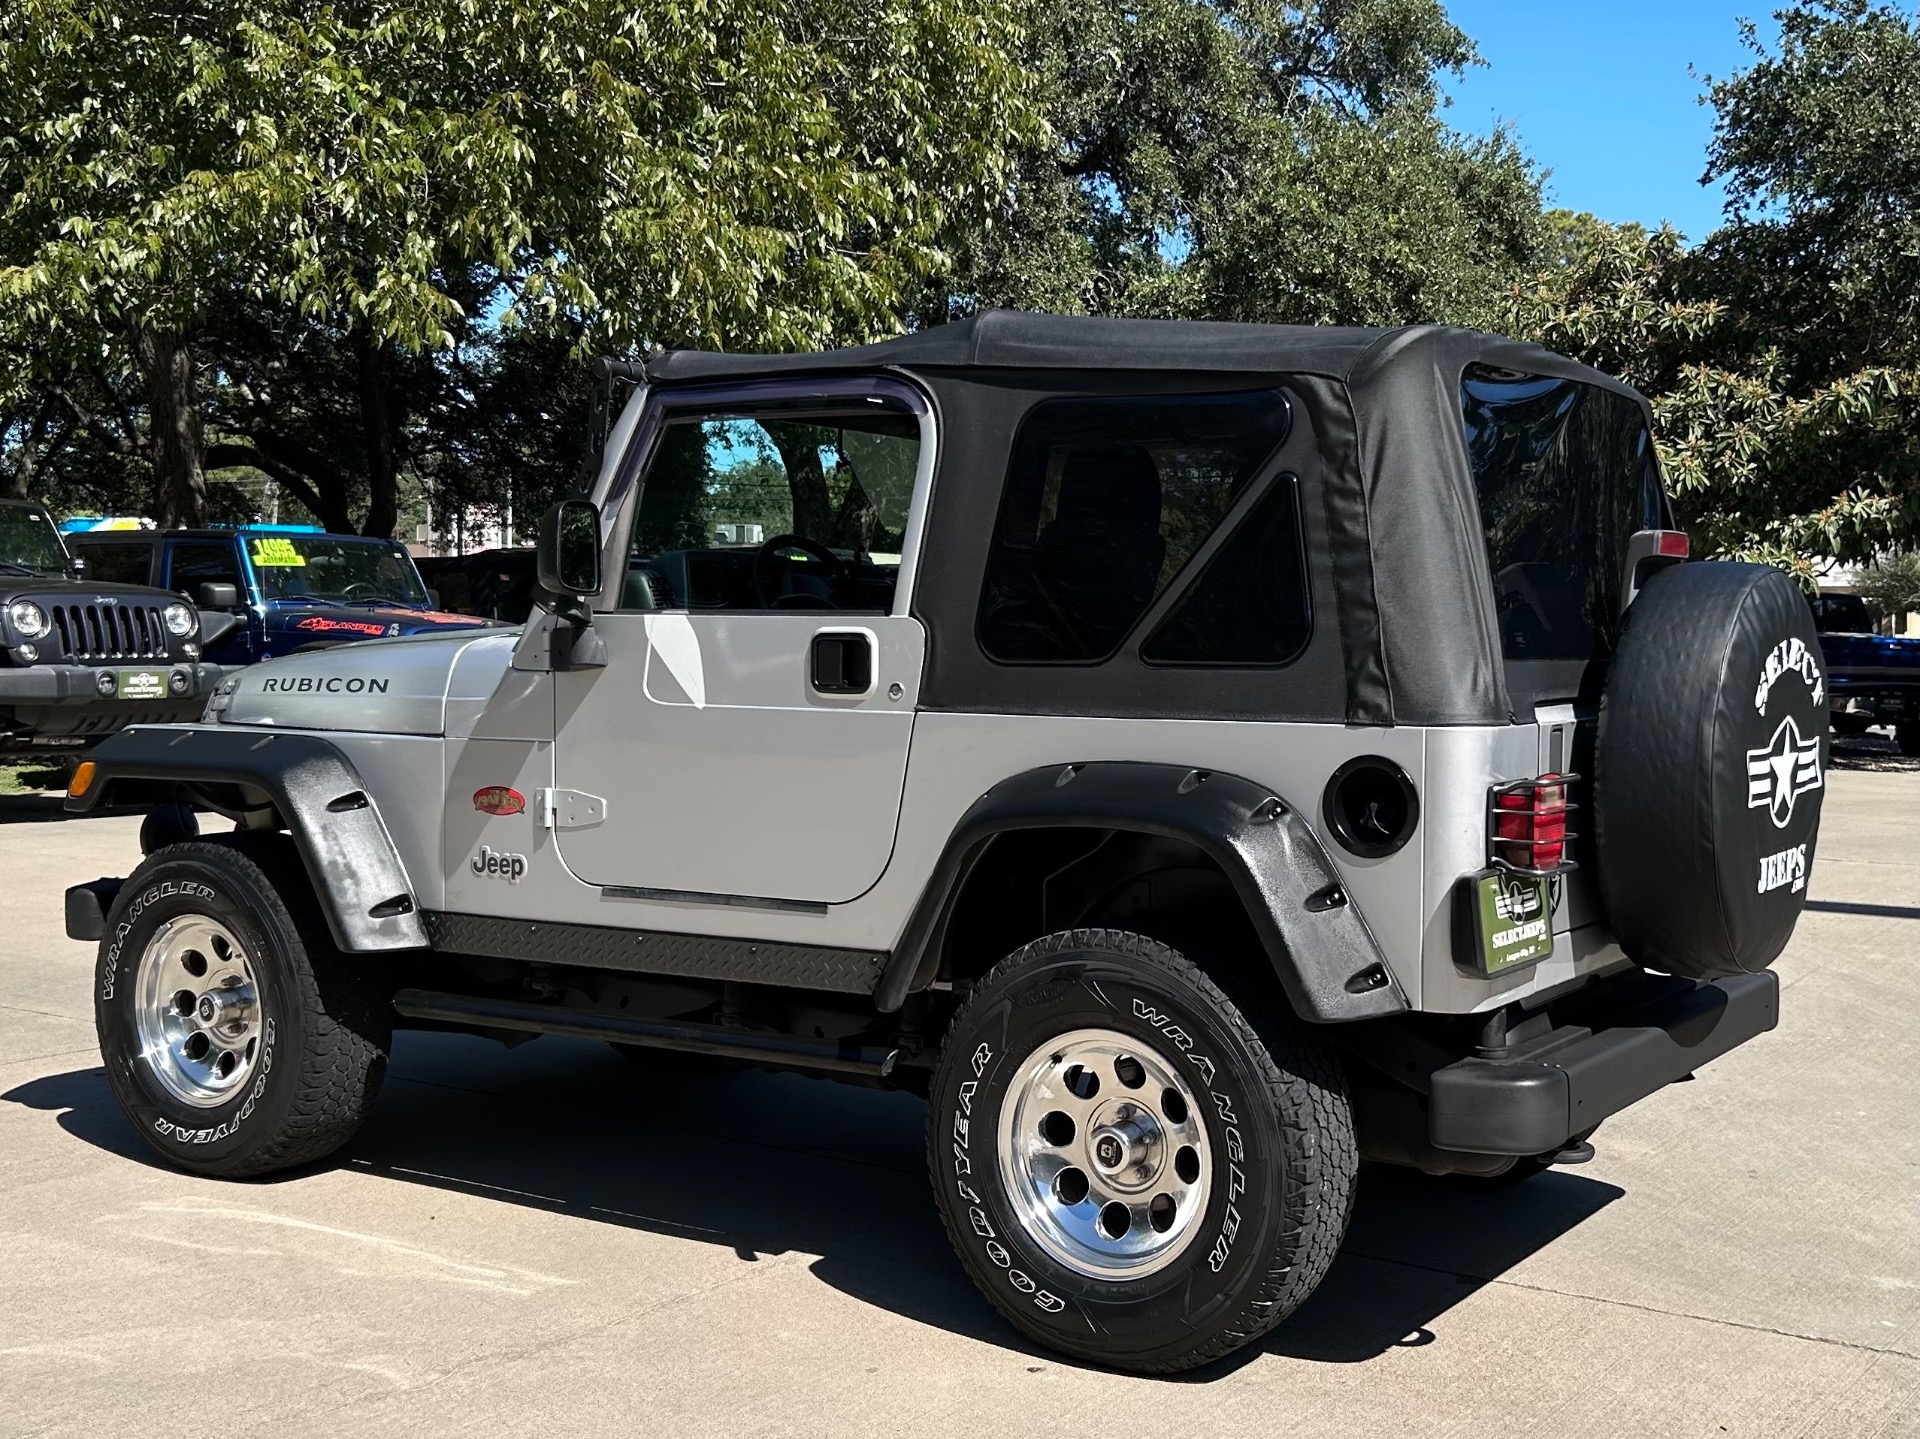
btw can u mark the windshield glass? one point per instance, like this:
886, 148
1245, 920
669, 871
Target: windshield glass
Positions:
339, 568
28, 540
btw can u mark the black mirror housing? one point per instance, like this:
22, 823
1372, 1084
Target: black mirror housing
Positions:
219, 595
569, 552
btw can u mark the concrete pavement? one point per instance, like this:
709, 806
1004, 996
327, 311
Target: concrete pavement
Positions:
552, 1237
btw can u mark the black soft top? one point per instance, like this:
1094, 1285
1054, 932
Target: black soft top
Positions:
1406, 630
1018, 340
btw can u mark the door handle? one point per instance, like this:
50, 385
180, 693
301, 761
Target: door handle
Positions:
841, 662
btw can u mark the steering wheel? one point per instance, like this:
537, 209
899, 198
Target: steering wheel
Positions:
770, 568
373, 590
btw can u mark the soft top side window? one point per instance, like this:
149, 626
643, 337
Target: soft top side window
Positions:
1106, 500
192, 563
774, 510
122, 562
1564, 471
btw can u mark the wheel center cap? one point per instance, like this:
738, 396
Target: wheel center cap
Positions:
225, 1008
1127, 1149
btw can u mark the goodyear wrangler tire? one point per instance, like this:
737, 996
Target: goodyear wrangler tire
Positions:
236, 1038
1132, 1170
1709, 769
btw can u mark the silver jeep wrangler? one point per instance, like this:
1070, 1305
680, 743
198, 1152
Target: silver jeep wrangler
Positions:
1196, 757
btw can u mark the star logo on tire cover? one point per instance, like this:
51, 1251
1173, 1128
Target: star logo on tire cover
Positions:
1781, 771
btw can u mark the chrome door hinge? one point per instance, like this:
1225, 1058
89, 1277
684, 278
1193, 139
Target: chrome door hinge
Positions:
570, 809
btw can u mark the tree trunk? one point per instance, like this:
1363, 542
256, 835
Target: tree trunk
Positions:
173, 426
27, 463
806, 482
380, 432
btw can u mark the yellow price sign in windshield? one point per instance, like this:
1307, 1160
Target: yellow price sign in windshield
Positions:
276, 553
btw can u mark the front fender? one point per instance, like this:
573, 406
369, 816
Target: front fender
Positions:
1322, 951
362, 886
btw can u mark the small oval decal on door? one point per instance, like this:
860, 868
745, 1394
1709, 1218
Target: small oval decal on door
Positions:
498, 799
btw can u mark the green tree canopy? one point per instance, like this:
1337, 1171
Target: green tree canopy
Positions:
217, 188
1891, 584
1782, 354
1249, 159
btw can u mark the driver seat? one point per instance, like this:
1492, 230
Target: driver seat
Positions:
1098, 561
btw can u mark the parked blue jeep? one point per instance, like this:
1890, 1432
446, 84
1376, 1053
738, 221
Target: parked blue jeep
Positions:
1872, 679
294, 587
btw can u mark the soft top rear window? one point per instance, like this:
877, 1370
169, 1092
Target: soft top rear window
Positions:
1564, 472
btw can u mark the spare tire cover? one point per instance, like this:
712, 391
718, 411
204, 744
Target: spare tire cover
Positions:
1709, 769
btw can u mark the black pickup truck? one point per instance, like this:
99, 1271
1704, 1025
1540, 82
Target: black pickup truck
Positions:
1872, 679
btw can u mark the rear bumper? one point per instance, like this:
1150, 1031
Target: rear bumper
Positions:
1536, 1098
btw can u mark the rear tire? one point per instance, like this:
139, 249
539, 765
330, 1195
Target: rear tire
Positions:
236, 1037
1135, 1171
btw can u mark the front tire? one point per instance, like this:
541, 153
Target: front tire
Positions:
236, 1037
1133, 1169
1906, 734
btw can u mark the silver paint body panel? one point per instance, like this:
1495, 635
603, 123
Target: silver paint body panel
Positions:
392, 686
722, 768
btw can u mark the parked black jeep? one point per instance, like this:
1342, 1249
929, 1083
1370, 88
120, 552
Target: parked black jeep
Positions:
79, 661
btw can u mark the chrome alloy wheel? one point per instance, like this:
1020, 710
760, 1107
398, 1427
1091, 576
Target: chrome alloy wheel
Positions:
197, 1011
1103, 1149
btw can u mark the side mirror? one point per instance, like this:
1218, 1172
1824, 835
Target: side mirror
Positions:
219, 595
569, 552
216, 625
433, 597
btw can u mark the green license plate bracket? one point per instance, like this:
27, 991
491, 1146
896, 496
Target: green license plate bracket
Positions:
142, 685
1502, 921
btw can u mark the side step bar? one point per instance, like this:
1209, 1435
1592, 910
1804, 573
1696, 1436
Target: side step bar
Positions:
481, 1013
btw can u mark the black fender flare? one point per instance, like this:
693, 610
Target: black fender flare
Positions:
362, 886
1325, 956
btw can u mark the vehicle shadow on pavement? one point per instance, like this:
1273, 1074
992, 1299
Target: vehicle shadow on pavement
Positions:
1417, 1247
31, 808
42, 808
1874, 752
770, 1164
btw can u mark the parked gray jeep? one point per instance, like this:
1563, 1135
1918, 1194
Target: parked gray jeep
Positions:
1196, 757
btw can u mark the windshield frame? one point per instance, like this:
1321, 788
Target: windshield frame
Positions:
260, 581
63, 568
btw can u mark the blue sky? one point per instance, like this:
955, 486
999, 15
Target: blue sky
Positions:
1601, 95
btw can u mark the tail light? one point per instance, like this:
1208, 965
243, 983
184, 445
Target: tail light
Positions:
1527, 824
